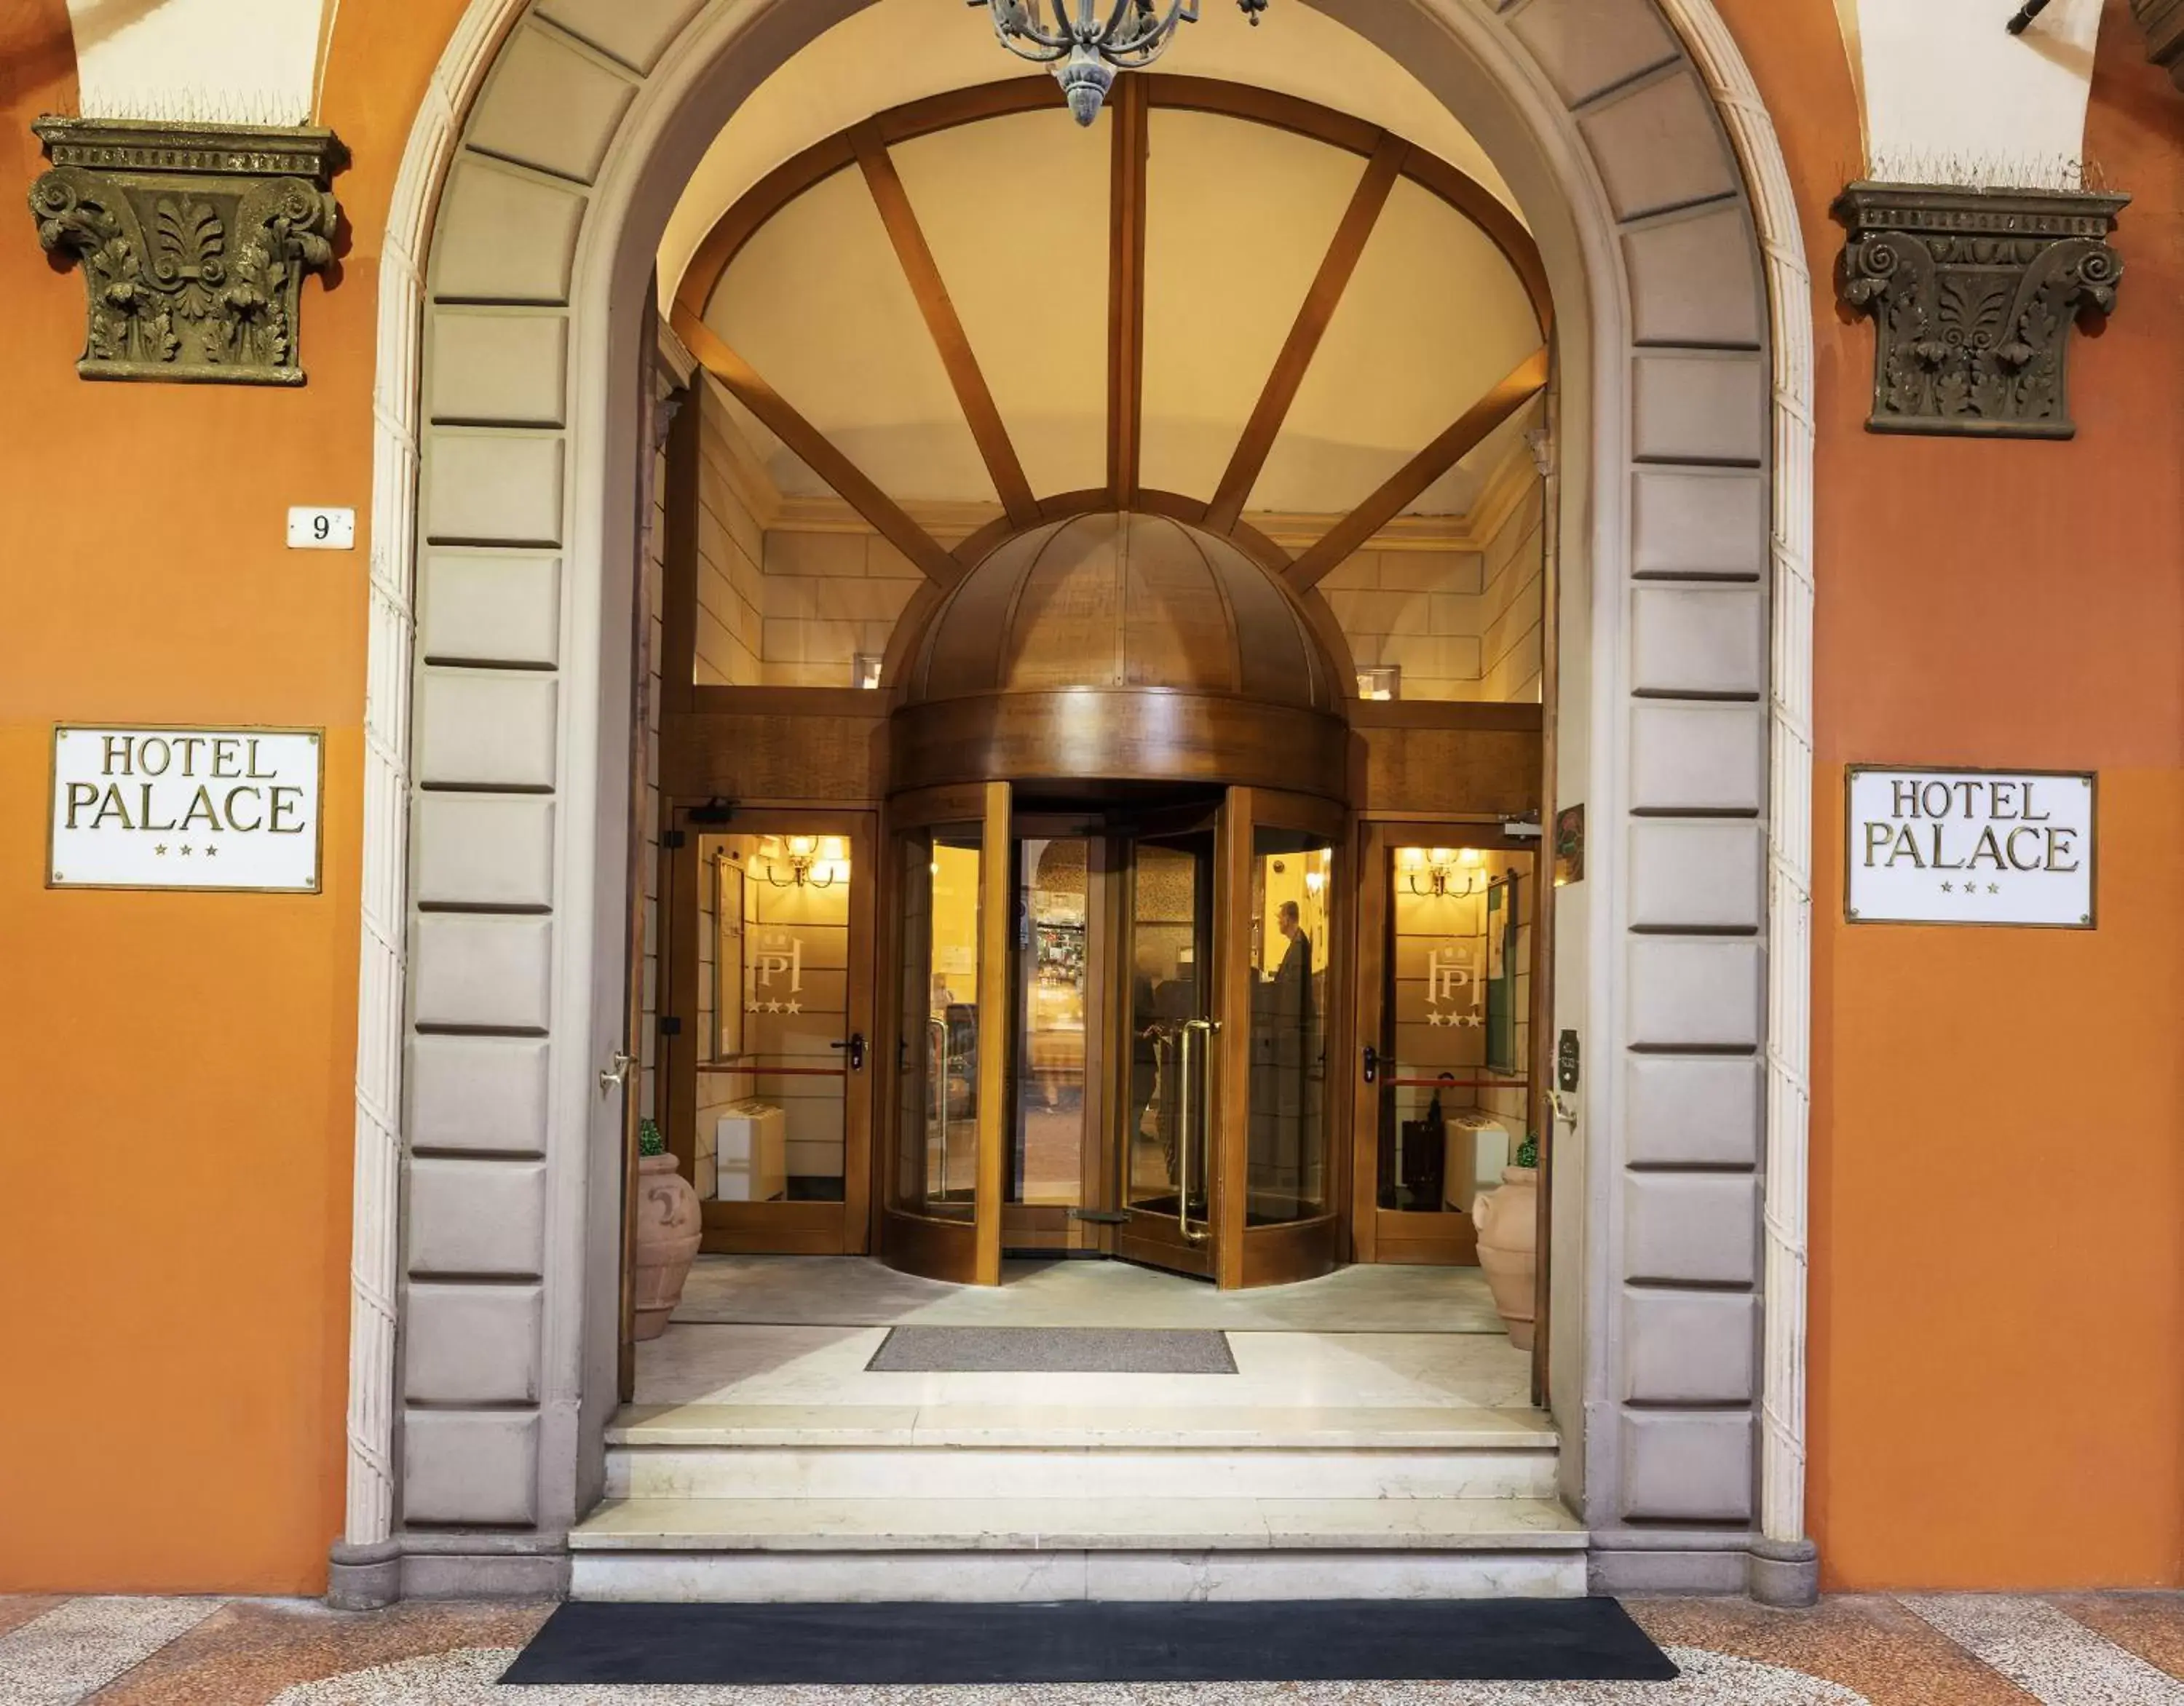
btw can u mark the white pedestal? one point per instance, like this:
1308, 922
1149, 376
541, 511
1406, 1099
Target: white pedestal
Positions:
750, 1154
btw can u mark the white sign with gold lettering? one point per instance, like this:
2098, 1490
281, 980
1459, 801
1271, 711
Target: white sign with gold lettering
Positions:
162, 808
1970, 846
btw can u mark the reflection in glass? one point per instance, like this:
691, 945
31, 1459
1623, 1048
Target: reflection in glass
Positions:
773, 1088
1053, 889
1292, 948
1455, 1029
937, 1068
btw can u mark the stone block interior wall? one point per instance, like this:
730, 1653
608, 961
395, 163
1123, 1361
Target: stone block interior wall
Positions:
731, 555
779, 608
1513, 603
1460, 624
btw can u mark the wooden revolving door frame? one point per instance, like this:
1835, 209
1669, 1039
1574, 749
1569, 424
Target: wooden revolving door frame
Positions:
1258, 1088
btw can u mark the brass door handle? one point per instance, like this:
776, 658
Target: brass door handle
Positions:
616, 1073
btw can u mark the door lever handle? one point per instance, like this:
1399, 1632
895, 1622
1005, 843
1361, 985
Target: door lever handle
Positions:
1372, 1064
855, 1048
616, 1072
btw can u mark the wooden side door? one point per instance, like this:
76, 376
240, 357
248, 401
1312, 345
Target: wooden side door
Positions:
1416, 1097
767, 1022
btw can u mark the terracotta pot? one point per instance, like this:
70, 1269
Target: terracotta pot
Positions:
668, 1225
1508, 1222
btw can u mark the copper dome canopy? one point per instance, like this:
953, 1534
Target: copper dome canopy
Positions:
1120, 600
1120, 645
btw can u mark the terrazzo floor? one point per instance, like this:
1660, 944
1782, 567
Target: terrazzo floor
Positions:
853, 1291
1955, 1650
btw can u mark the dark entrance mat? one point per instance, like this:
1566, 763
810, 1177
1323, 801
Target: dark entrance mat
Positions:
1053, 1351
1256, 1641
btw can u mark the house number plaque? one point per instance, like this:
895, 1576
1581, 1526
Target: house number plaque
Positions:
1970, 846
204, 808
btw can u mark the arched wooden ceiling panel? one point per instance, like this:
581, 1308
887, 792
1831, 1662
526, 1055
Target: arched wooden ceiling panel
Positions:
1238, 216
758, 273
1030, 287
816, 302
1433, 317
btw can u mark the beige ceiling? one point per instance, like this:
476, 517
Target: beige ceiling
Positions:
895, 51
1016, 210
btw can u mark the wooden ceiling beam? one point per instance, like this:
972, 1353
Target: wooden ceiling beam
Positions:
855, 489
1382, 167
1126, 291
1524, 382
972, 395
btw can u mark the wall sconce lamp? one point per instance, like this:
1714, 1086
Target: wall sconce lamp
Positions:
1315, 870
813, 861
1438, 867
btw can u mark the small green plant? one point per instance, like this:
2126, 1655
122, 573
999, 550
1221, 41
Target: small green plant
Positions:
1528, 1151
649, 1139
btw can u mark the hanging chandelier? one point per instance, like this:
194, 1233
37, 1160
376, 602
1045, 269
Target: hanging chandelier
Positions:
1087, 50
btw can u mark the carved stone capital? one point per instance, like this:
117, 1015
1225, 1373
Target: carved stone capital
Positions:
1972, 294
2162, 21
194, 240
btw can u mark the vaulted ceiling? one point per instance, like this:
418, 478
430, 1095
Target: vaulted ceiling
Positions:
1238, 217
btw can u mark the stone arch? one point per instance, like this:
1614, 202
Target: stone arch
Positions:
513, 313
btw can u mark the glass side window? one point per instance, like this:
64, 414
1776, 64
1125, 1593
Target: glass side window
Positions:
1292, 950
774, 943
937, 1090
1455, 1028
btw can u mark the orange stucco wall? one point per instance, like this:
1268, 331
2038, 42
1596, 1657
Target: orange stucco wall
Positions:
1997, 1279
1996, 1397
174, 1107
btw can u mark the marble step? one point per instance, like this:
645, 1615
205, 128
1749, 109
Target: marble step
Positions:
989, 1549
1440, 1427
736, 1452
969, 1472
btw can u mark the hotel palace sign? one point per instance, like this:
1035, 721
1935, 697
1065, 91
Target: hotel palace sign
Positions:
1970, 846
166, 808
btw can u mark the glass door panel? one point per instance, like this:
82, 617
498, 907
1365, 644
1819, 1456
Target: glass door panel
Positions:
936, 1084
941, 1213
1164, 1154
1290, 909
1292, 943
1055, 1013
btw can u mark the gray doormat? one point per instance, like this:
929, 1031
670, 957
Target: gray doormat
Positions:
1053, 1351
